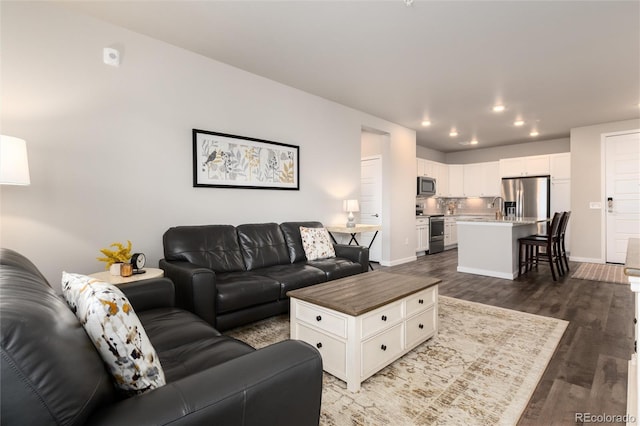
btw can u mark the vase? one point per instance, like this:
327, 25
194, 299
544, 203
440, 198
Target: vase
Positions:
114, 269
126, 270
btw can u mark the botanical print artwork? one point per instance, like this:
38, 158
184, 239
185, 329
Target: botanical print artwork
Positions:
227, 160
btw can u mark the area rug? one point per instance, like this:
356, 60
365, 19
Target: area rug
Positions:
480, 369
601, 272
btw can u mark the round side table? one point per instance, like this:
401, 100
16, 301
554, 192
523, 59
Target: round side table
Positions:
117, 279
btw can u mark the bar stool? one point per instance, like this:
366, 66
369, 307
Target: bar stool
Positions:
563, 230
531, 246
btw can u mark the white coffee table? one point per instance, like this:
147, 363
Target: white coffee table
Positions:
361, 324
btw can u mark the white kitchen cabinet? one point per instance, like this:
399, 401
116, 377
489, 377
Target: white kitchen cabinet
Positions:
492, 182
442, 180
456, 180
481, 179
450, 233
420, 164
534, 165
560, 165
473, 180
422, 230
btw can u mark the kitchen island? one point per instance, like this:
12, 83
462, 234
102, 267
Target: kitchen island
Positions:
488, 246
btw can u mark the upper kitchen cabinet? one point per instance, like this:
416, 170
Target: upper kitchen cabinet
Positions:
560, 165
535, 165
442, 180
456, 180
481, 179
426, 167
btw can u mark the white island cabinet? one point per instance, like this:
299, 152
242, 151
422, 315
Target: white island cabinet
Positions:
489, 247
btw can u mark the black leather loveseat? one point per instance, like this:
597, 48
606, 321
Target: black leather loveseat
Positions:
51, 373
231, 276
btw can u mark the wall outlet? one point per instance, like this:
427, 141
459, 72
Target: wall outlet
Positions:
406, 241
595, 205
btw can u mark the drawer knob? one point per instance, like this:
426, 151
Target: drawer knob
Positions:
383, 347
384, 318
318, 318
318, 345
420, 326
420, 301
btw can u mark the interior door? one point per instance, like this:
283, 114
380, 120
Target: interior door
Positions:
622, 198
371, 203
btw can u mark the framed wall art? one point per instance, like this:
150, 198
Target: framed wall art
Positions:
229, 161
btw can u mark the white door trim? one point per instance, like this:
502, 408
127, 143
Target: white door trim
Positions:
603, 189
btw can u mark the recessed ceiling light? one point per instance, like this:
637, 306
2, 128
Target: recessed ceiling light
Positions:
426, 123
474, 142
534, 133
453, 133
498, 108
518, 123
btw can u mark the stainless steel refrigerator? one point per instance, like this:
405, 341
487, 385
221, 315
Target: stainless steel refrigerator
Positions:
528, 197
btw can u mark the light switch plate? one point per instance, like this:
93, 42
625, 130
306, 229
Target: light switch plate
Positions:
595, 205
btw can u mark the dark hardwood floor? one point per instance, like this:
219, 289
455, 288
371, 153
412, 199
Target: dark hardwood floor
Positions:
588, 372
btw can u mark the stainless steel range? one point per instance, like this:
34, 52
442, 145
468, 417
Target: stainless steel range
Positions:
436, 233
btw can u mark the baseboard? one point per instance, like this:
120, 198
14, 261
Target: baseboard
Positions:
586, 259
477, 271
398, 261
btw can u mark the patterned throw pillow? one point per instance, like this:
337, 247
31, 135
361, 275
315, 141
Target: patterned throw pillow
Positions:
116, 331
316, 243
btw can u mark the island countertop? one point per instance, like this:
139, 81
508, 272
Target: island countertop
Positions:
515, 221
632, 265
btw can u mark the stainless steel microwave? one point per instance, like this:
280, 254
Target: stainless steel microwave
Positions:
426, 186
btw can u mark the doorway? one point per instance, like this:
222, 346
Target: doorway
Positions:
622, 193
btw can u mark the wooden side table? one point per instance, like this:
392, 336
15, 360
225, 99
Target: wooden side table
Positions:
358, 229
117, 279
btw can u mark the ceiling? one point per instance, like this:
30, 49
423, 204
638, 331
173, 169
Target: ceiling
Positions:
554, 64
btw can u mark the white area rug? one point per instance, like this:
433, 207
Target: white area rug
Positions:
601, 272
480, 369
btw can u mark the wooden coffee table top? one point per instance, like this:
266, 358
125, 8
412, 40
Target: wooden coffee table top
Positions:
358, 294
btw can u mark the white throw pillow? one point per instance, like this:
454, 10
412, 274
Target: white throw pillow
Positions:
115, 330
316, 243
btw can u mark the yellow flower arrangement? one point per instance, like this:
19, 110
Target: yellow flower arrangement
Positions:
120, 255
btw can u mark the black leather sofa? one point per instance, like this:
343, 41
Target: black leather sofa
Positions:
231, 276
51, 374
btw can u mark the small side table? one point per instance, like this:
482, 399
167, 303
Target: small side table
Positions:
358, 229
117, 279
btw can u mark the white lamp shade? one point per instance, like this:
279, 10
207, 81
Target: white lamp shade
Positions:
351, 206
14, 166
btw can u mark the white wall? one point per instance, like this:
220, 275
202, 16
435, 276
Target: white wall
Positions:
587, 237
110, 148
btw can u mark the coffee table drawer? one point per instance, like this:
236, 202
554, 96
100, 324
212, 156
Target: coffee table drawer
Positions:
422, 300
421, 327
380, 319
379, 350
333, 351
322, 319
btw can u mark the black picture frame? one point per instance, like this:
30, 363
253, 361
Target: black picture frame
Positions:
221, 160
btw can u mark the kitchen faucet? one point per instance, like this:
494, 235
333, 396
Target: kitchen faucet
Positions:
493, 204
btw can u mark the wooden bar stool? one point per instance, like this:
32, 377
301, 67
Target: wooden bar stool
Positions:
531, 247
561, 248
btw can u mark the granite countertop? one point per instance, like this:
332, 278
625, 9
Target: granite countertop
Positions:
492, 219
632, 264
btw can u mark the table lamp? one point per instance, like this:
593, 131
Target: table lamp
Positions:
351, 206
14, 166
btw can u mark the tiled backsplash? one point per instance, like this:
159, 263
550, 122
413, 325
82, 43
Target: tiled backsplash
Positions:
457, 205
